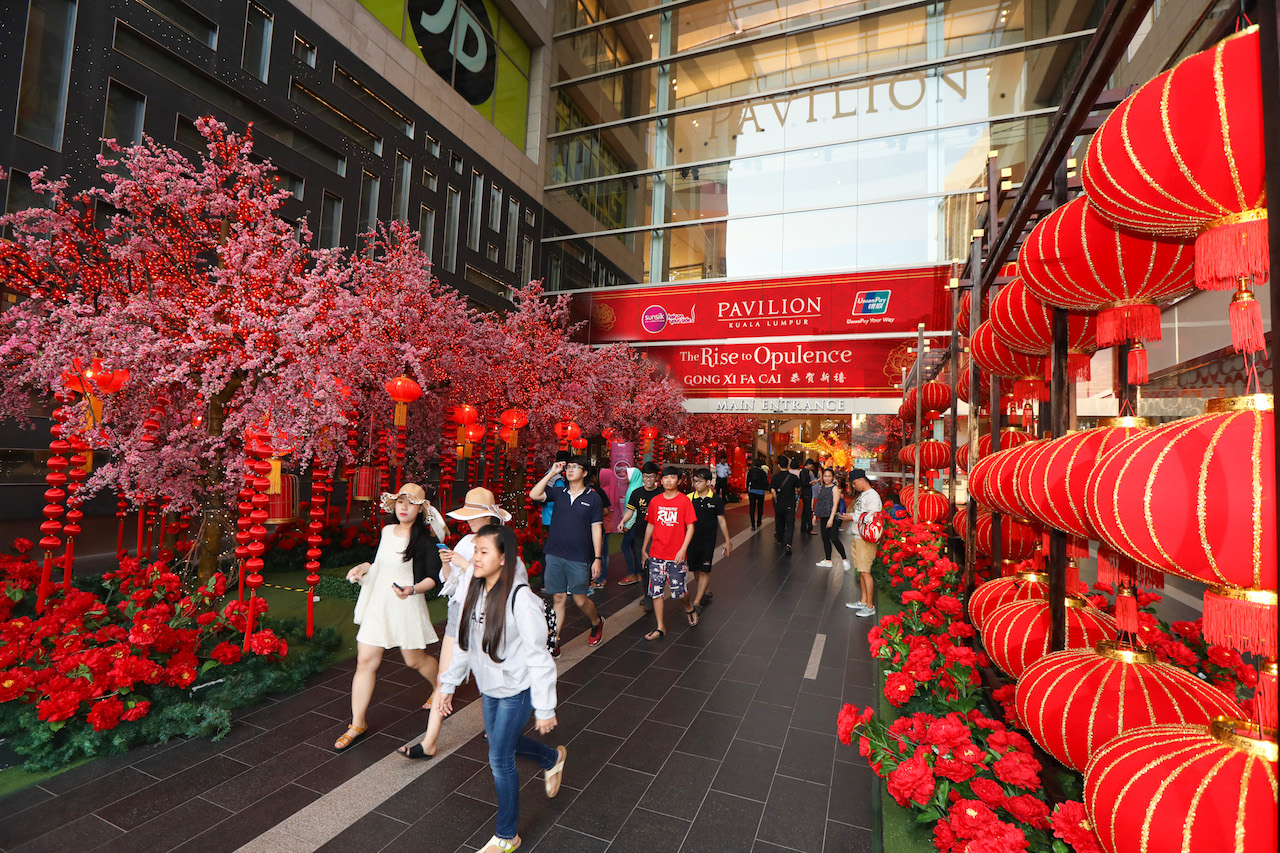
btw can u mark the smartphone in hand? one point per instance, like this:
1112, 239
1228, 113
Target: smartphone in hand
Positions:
397, 586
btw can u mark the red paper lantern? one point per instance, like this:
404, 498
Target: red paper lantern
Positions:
935, 398
907, 493
366, 483
282, 507
514, 418
1075, 260
465, 414
508, 435
473, 432
962, 314
1074, 701
995, 358
1024, 323
997, 592
579, 443
1010, 437
1196, 497
907, 412
934, 455
402, 389
567, 430
993, 477
650, 433
1182, 157
962, 384
1177, 788
933, 506
1017, 538
1016, 635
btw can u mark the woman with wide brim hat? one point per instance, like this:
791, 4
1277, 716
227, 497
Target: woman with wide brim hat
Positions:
479, 508
392, 610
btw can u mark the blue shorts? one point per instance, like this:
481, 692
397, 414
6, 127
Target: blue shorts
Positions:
561, 575
662, 572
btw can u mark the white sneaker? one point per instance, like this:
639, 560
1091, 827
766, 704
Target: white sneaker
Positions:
846, 565
823, 564
867, 611
855, 605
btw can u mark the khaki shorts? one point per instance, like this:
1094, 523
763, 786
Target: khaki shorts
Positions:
863, 553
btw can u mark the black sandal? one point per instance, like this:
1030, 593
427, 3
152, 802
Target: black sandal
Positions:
692, 616
415, 751
661, 633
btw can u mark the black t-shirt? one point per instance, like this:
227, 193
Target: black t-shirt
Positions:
757, 478
806, 483
784, 484
639, 502
708, 510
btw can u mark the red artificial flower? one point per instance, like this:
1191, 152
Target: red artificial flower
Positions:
953, 769
849, 719
1029, 810
1071, 823
970, 753
227, 653
1003, 740
181, 670
1247, 675
14, 683
947, 733
989, 791
912, 780
960, 630
864, 747
1190, 630
970, 818
59, 706
136, 711
265, 642
23, 546
1000, 837
1224, 657
950, 605
105, 713
944, 838
899, 688
206, 619
1018, 768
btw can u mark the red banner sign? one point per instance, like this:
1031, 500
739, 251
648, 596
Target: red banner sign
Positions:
882, 301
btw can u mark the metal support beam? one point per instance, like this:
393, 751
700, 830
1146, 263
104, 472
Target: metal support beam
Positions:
1268, 14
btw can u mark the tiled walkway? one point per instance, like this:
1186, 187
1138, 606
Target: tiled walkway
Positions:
713, 739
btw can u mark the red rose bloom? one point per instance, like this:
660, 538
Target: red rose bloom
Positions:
947, 733
999, 838
944, 838
59, 706
1004, 740
227, 653
913, 780
1018, 768
989, 791
105, 713
14, 683
1028, 809
848, 720
970, 753
137, 712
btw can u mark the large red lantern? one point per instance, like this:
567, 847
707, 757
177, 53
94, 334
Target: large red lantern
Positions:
1074, 701
995, 358
934, 455
1024, 323
1010, 437
465, 414
282, 507
934, 398
997, 592
962, 385
993, 478
1016, 635
1017, 538
579, 443
473, 432
1197, 498
933, 507
1075, 260
1178, 788
402, 391
514, 418
962, 314
1182, 157
649, 433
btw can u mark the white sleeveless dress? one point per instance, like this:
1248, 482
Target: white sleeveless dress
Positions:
385, 620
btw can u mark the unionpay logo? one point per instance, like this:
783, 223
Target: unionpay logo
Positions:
871, 302
654, 319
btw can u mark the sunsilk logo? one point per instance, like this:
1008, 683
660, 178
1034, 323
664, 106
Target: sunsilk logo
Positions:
871, 302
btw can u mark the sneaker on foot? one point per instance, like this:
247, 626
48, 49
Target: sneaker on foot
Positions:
846, 565
824, 564
855, 605
597, 633
788, 550
865, 611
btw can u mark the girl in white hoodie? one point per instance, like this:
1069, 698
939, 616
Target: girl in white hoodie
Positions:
502, 641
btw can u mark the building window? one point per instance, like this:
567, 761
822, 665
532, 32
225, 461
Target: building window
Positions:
46, 72
304, 50
368, 220
372, 101
433, 145
473, 221
400, 189
452, 208
125, 110
527, 266
429, 180
491, 252
513, 222
21, 197
331, 222
335, 118
455, 162
495, 208
257, 41
427, 230
186, 19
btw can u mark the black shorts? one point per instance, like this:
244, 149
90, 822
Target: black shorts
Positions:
700, 555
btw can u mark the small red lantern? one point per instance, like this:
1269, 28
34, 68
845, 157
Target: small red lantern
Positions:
997, 592
1010, 437
402, 391
1175, 788
465, 414
1074, 701
935, 398
567, 431
473, 432
934, 455
508, 435
366, 483
962, 384
514, 418
650, 433
579, 443
282, 507
933, 506
1017, 634
962, 315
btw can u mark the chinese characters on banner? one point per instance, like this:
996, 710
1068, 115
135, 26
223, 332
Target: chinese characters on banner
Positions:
892, 301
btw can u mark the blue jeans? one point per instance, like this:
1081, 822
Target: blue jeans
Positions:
505, 720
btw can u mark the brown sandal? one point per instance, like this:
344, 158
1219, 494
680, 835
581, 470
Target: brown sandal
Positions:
350, 736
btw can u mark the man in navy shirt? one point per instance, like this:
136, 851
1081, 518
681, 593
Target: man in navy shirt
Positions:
572, 555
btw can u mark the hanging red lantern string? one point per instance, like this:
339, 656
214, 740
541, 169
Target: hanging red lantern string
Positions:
320, 489
257, 530
349, 467
122, 512
402, 391
244, 510
528, 487
383, 461
53, 510
490, 454
76, 473
567, 431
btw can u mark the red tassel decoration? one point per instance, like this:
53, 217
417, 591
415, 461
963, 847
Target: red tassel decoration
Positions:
1128, 320
1030, 388
1243, 619
1126, 611
1077, 548
1246, 321
1073, 578
1235, 248
1118, 570
1078, 366
1138, 374
1264, 698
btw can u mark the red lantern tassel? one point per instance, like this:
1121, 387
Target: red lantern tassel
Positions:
1237, 247
1128, 320
46, 574
1030, 389
1138, 374
1243, 619
1077, 548
1246, 322
1126, 611
1264, 698
1073, 578
1078, 366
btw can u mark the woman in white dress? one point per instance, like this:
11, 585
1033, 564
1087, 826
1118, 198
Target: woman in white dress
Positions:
392, 610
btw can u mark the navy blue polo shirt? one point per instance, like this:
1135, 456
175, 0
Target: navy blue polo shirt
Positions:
570, 534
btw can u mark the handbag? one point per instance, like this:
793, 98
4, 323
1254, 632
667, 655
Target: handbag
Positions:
873, 527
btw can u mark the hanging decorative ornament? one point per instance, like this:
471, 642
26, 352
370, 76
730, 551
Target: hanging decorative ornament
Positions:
1022, 586
962, 314
1137, 364
76, 473
962, 385
934, 398
402, 391
933, 506
1196, 497
992, 480
366, 483
53, 510
1177, 788
320, 489
1025, 324
282, 505
995, 358
1010, 437
1182, 158
1074, 701
1017, 538
1016, 635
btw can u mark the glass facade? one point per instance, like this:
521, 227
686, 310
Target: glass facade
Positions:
736, 139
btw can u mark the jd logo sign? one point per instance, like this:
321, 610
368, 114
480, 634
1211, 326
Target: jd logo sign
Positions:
451, 34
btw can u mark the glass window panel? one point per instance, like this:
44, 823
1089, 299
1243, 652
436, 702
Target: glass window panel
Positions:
513, 224
473, 219
124, 115
186, 19
304, 50
453, 204
511, 101
330, 222
46, 71
257, 41
427, 230
495, 208
368, 220
400, 189
527, 261
372, 101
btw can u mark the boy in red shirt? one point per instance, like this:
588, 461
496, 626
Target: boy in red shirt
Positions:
666, 539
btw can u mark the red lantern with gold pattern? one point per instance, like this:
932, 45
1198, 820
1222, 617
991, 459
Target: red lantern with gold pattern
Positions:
1016, 635
1197, 498
1074, 701
282, 507
962, 313
1076, 260
1017, 538
1178, 788
933, 506
962, 384
992, 480
366, 483
1182, 157
1009, 437
934, 399
1024, 323
934, 455
997, 592
995, 358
